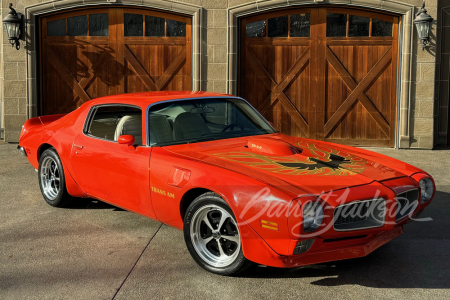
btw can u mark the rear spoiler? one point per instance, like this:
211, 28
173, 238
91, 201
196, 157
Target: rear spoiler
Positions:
50, 118
39, 121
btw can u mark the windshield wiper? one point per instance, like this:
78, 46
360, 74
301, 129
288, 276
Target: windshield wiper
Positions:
206, 138
190, 141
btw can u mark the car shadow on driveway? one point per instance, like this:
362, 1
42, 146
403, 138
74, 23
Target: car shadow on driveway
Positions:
419, 258
89, 203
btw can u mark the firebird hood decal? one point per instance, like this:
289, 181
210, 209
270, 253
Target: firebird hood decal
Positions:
317, 168
331, 163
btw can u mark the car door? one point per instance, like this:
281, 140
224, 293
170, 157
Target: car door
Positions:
109, 171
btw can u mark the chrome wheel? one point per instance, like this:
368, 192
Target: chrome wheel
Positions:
215, 235
50, 178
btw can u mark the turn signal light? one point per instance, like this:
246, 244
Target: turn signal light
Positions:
303, 246
269, 225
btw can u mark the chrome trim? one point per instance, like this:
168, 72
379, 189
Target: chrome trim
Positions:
418, 199
50, 178
22, 151
200, 243
360, 201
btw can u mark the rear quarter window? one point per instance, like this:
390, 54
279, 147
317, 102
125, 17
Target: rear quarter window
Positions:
110, 121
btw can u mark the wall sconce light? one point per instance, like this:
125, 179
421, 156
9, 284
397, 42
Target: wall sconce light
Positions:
14, 26
423, 26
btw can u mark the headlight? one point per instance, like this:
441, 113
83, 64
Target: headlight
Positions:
427, 188
312, 216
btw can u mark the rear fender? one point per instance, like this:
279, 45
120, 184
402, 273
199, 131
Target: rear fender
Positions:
38, 121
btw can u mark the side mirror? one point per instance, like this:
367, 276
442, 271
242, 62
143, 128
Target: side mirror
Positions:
126, 140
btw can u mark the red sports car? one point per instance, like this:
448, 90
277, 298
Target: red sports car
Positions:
212, 166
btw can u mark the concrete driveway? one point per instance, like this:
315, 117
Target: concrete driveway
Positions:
96, 251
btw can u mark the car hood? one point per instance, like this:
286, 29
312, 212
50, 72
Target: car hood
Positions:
309, 165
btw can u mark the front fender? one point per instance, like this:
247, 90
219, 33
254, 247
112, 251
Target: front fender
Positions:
252, 201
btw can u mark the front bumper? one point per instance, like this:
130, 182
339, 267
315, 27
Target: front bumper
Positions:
354, 251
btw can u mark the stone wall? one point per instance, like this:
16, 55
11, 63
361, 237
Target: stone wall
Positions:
423, 87
441, 108
214, 68
13, 75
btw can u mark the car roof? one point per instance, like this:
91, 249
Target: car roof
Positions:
146, 98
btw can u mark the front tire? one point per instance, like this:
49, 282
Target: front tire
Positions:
51, 179
212, 236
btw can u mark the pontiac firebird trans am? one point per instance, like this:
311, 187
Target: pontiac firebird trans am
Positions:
211, 165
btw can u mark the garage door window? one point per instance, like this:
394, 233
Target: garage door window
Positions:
176, 28
297, 25
134, 25
381, 28
336, 25
98, 25
154, 26
300, 25
278, 27
358, 26
77, 26
256, 29
56, 28
84, 25
344, 25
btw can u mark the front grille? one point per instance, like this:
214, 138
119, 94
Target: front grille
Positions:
406, 203
360, 215
352, 213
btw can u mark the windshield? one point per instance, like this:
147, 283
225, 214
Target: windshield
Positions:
199, 120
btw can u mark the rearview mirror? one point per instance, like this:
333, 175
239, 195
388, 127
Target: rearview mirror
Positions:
126, 139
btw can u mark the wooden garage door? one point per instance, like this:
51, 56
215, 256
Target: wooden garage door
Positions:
326, 74
91, 53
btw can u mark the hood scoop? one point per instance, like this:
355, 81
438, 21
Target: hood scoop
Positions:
271, 147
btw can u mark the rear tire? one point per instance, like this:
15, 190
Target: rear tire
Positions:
212, 236
51, 179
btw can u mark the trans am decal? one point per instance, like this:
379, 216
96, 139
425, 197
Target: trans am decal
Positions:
312, 161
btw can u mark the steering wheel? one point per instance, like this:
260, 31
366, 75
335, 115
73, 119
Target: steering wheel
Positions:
231, 126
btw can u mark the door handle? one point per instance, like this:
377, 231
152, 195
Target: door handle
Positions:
78, 146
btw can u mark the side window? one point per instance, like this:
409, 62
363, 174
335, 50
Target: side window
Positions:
111, 121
